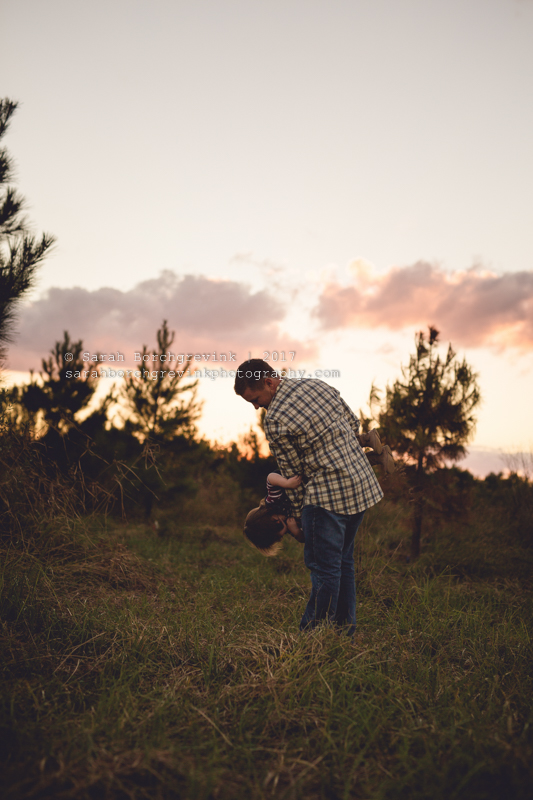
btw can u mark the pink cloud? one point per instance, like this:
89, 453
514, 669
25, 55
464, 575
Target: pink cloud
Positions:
206, 314
473, 308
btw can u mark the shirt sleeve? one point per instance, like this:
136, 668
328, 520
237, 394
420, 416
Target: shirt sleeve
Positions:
352, 419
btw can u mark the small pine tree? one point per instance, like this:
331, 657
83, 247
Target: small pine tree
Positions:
56, 397
428, 415
154, 406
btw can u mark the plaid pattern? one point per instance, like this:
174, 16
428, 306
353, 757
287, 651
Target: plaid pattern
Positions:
311, 432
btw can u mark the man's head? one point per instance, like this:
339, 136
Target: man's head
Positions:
257, 382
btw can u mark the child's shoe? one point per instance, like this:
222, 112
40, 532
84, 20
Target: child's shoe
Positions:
371, 439
387, 460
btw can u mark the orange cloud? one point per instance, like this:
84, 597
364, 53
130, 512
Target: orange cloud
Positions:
473, 308
206, 314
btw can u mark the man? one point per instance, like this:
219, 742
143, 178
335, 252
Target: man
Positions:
312, 433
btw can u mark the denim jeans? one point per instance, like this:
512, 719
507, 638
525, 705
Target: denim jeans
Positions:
328, 553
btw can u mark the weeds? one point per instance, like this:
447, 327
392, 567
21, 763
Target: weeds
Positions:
166, 663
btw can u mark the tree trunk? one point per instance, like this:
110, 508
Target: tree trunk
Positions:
418, 511
417, 527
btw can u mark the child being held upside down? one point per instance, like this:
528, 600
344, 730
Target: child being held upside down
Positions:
265, 526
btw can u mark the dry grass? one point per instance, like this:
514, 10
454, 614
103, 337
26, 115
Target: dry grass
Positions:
141, 663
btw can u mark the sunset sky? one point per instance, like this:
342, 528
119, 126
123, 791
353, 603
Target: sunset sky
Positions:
282, 175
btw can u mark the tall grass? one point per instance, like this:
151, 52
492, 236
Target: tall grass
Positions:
141, 663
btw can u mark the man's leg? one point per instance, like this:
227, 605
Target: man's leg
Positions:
324, 543
345, 615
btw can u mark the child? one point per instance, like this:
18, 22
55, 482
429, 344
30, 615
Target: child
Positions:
265, 526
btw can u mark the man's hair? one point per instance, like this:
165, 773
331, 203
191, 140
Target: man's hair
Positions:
262, 531
252, 374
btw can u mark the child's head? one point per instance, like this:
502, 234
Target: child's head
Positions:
264, 529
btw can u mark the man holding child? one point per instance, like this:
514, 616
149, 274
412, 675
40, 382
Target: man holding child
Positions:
312, 433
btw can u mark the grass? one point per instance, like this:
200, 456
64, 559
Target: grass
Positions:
139, 665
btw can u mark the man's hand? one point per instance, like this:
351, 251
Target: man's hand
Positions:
295, 530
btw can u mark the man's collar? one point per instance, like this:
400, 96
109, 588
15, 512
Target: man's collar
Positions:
280, 391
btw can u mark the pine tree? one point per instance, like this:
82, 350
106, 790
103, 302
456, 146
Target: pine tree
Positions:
155, 408
20, 252
428, 415
57, 393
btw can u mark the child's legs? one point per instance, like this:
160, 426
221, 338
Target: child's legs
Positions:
370, 439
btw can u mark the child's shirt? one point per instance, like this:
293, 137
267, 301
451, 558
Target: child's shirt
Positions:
275, 494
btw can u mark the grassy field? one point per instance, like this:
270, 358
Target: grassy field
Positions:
167, 664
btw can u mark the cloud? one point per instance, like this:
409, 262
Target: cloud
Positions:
207, 315
472, 308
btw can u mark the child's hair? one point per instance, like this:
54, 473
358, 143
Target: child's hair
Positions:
262, 531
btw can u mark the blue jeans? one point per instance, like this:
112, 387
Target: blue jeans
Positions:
328, 553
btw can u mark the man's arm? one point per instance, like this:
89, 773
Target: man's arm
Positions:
288, 461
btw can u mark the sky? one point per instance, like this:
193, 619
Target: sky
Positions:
297, 176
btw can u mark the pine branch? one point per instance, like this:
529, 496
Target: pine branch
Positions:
11, 222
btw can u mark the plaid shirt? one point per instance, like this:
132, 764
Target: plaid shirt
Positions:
311, 432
